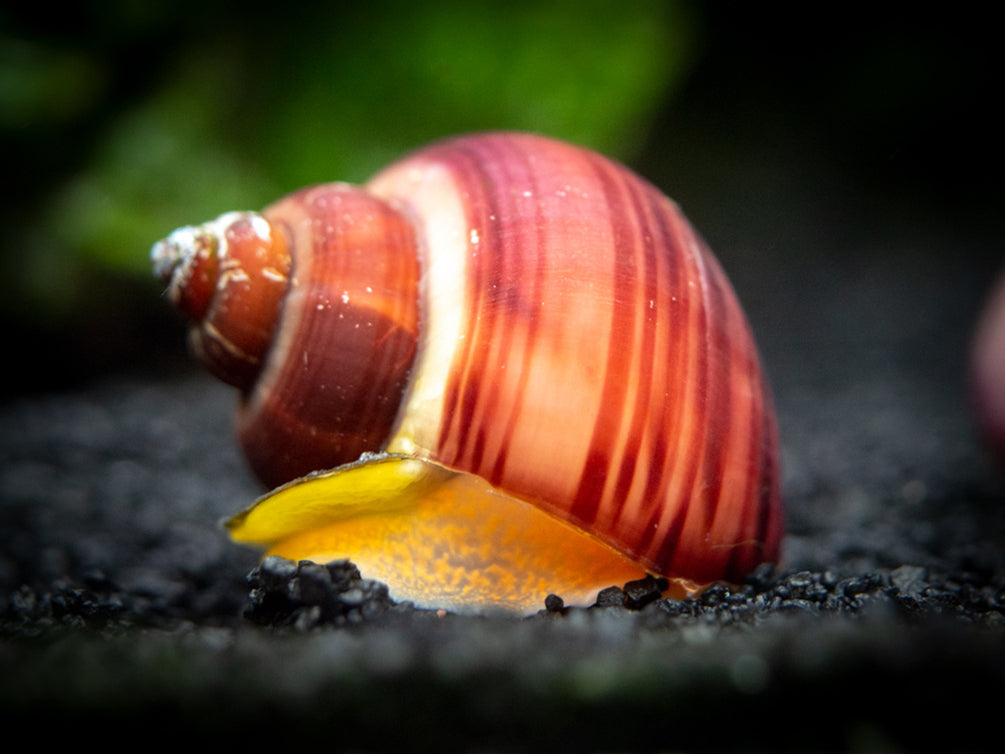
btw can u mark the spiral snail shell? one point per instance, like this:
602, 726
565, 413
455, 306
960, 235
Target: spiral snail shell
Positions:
505, 367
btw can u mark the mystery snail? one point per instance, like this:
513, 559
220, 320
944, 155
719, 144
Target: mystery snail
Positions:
505, 367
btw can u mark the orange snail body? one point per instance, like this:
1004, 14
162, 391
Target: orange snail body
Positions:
526, 371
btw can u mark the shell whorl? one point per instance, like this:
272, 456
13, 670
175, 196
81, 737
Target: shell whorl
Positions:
583, 349
228, 277
330, 296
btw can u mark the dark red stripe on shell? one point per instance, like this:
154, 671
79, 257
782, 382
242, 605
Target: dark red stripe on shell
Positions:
666, 424
504, 280
498, 264
468, 372
652, 264
619, 347
752, 531
690, 447
532, 291
716, 419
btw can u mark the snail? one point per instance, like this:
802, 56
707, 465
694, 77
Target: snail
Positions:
987, 370
505, 367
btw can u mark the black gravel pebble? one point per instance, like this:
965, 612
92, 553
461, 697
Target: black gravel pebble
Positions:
307, 595
640, 593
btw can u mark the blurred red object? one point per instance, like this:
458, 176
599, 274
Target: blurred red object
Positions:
988, 369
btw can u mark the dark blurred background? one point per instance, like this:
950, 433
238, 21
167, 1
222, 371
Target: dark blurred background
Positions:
805, 144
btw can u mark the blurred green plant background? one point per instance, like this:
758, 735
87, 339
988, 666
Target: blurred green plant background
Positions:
120, 120
242, 103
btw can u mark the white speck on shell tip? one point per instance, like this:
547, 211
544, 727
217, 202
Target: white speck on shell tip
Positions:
184, 244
